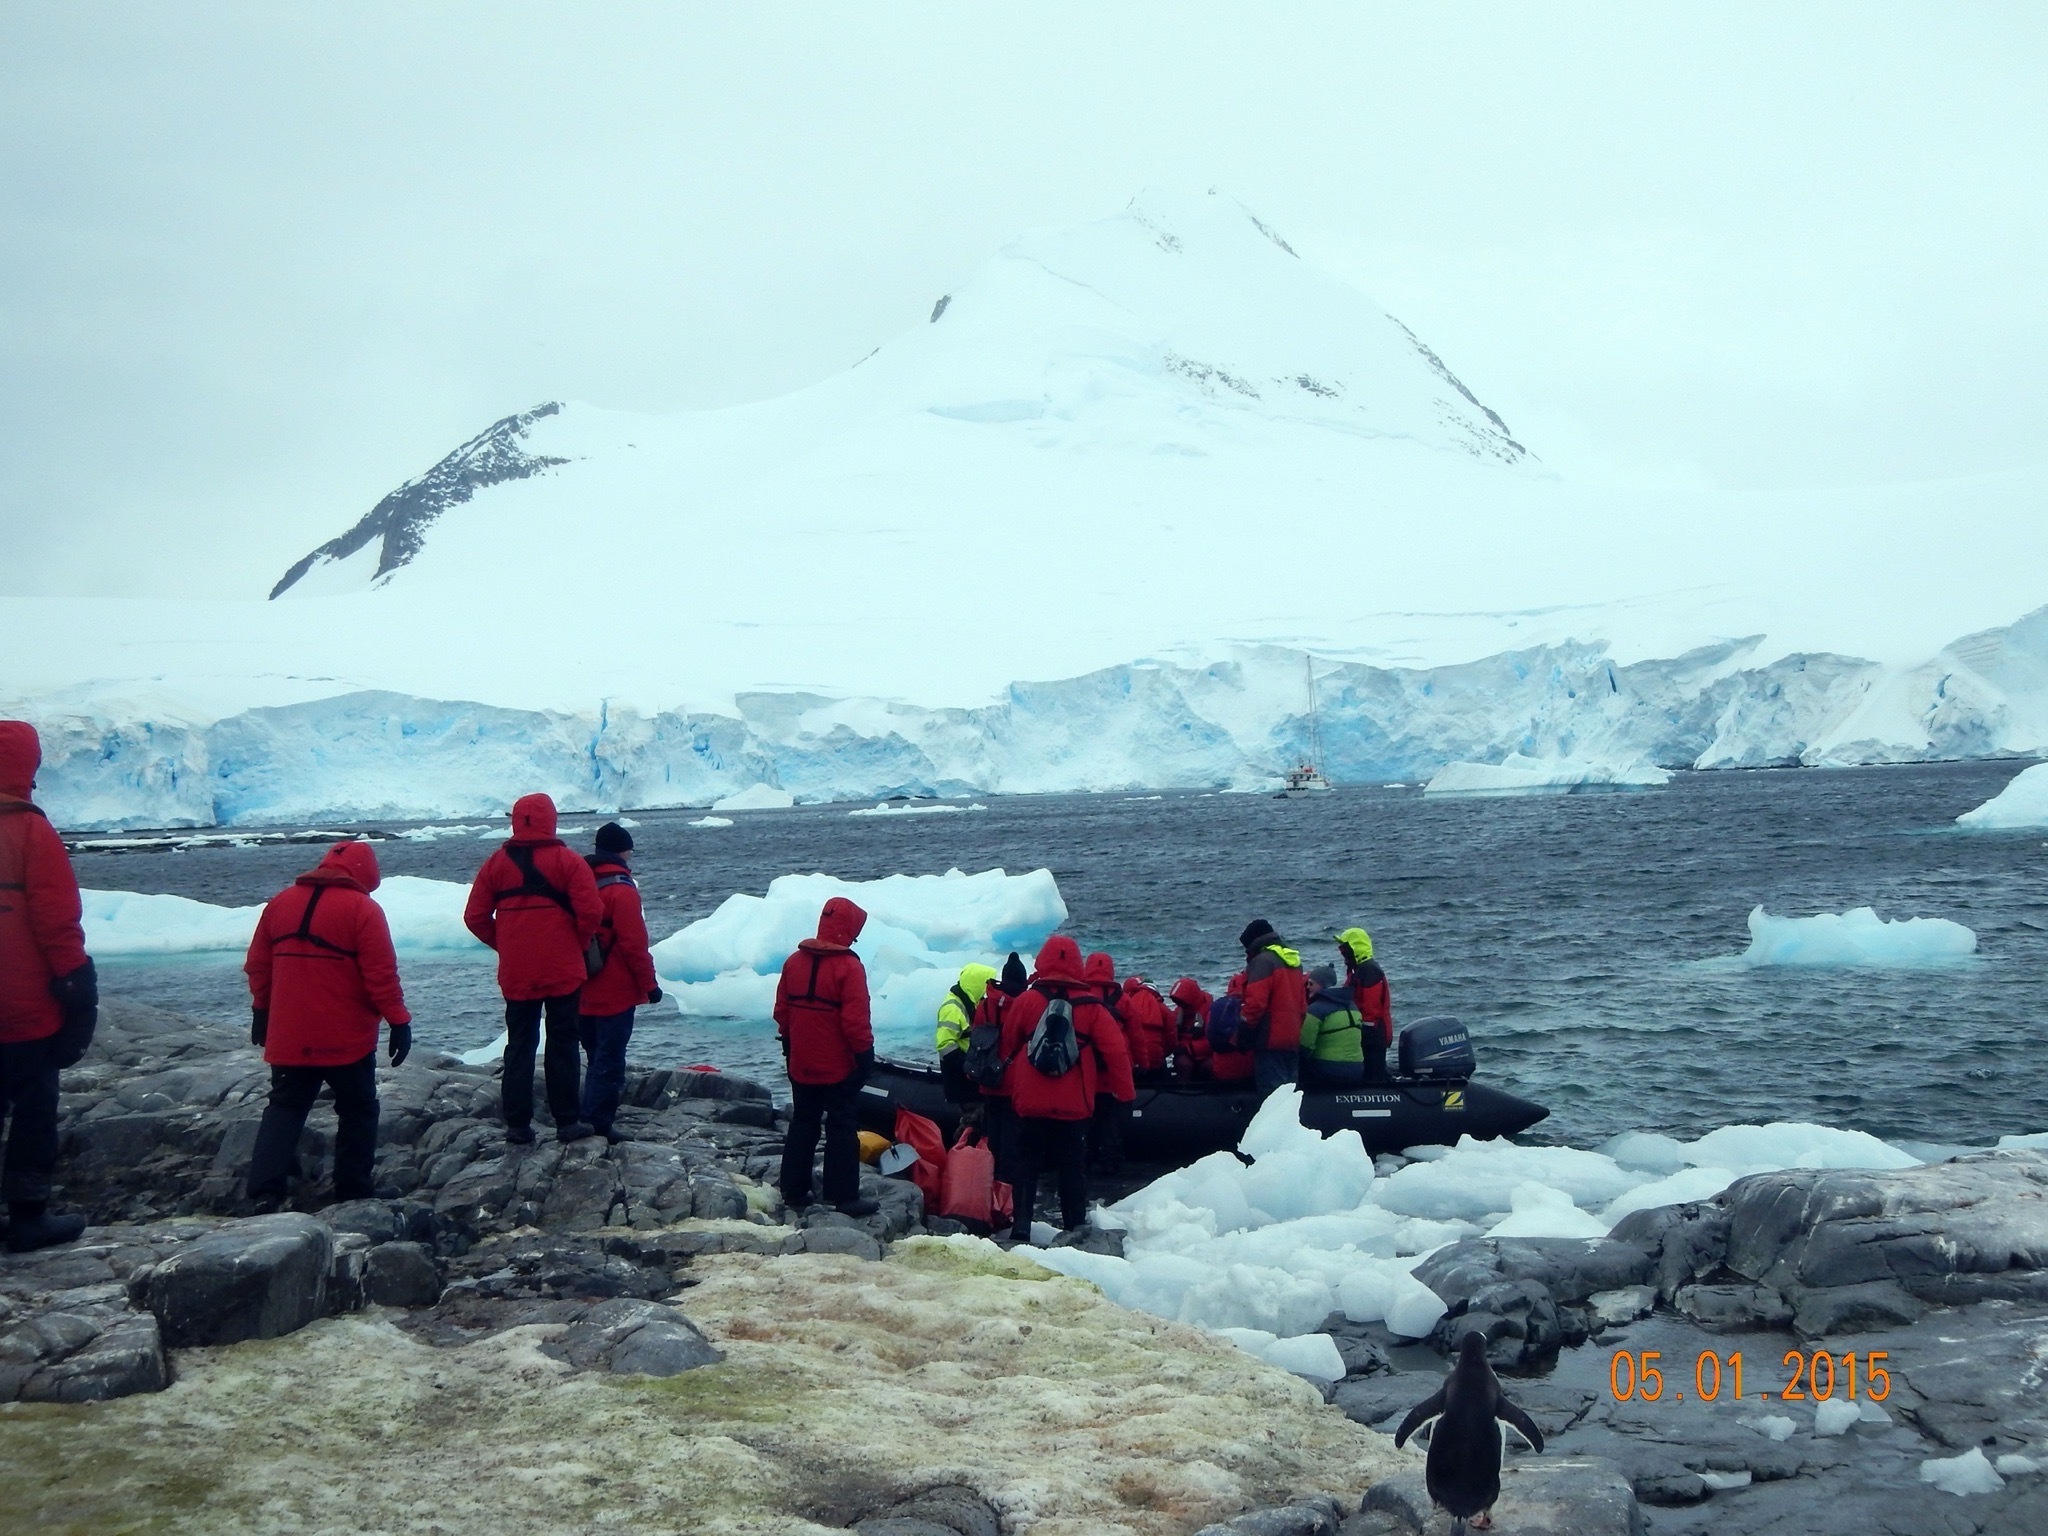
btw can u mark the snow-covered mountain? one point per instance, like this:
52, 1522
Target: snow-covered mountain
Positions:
1149, 463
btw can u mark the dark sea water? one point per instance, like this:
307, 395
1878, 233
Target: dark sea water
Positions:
1568, 931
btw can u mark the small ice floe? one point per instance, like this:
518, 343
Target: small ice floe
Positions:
710, 821
1961, 1475
1724, 1482
1516, 774
756, 797
914, 808
1855, 938
2011, 1465
1776, 1426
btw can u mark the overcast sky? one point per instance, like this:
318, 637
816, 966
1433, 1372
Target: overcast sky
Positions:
260, 263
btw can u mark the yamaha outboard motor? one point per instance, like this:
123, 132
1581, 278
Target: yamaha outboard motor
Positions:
1439, 1049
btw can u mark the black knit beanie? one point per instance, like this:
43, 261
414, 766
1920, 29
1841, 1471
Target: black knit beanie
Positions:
1257, 932
613, 838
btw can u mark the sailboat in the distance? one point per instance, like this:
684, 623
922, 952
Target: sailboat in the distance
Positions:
1306, 777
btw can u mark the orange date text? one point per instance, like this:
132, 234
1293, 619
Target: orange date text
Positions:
1640, 1376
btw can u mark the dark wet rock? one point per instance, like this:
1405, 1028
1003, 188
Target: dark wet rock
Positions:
1970, 1230
83, 1356
1733, 1306
850, 1241
1611, 1309
630, 1337
1519, 1320
1687, 1243
948, 1510
1569, 1269
1356, 1347
400, 1274
1318, 1515
259, 1278
1539, 1496
1379, 1401
688, 1084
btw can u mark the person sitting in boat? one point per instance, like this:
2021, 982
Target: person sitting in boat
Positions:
1203, 1061
1106, 1132
1371, 996
1332, 1053
956, 1017
1146, 1028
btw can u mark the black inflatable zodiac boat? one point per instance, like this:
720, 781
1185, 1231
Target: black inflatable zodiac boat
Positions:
1430, 1100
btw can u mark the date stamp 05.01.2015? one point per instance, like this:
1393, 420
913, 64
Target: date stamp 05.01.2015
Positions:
1638, 1376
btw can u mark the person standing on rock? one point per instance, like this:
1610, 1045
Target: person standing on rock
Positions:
536, 903
1275, 1001
322, 974
821, 1016
49, 993
605, 1018
1063, 1047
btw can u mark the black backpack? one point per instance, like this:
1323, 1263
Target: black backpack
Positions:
1054, 1048
985, 1062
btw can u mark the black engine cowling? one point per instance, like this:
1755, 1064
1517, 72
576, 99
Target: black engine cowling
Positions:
1438, 1048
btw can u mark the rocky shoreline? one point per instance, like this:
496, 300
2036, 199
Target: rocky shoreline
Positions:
756, 1369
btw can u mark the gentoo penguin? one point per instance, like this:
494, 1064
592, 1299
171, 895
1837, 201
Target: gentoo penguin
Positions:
1465, 1449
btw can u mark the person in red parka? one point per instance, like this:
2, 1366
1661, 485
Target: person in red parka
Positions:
1198, 1056
1275, 1003
605, 1017
1145, 1027
821, 1015
1106, 1132
1054, 1110
322, 974
535, 902
49, 994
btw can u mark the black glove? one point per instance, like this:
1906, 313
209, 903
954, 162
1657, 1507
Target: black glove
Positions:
653, 996
785, 1048
401, 1043
78, 999
863, 1064
259, 1025
1015, 977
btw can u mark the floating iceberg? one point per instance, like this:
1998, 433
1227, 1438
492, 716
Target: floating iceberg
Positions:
920, 930
1516, 774
712, 821
756, 797
425, 915
1856, 938
885, 809
2023, 803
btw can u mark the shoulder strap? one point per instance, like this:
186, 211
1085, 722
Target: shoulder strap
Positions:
810, 991
535, 883
305, 928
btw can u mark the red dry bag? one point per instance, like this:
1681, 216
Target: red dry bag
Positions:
924, 1138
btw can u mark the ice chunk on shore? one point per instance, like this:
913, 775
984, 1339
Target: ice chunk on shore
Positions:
1855, 938
756, 797
425, 915
1961, 1475
1776, 1426
1540, 1211
1516, 774
1477, 1179
2023, 803
1834, 1417
921, 930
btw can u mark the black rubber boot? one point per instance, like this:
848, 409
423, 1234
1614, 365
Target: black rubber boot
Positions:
575, 1132
31, 1226
860, 1207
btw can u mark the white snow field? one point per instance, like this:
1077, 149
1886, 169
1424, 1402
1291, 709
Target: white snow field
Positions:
1310, 1228
1128, 426
1855, 938
1516, 774
425, 915
921, 930
2022, 804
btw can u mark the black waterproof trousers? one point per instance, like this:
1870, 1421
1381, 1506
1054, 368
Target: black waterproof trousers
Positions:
836, 1108
1043, 1146
1274, 1069
1106, 1136
292, 1092
28, 1101
563, 1063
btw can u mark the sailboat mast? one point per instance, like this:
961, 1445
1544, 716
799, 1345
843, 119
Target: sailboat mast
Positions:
1315, 724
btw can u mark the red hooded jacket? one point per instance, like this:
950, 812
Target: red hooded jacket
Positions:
326, 989
539, 940
1275, 997
1105, 1064
628, 974
1191, 1005
821, 1002
40, 936
1099, 971
1145, 1025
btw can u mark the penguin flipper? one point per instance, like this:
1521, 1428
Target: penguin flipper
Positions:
1429, 1408
1523, 1424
